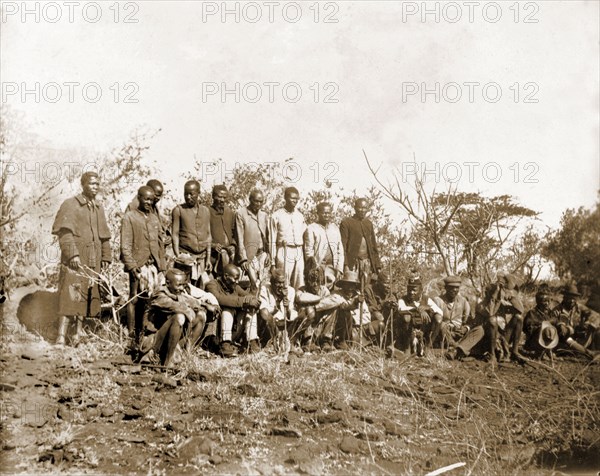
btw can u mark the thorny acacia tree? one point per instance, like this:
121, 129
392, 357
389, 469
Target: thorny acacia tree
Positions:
467, 230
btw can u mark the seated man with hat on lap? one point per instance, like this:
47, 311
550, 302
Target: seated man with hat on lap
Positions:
541, 335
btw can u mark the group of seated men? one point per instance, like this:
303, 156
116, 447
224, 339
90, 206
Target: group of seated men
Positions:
241, 279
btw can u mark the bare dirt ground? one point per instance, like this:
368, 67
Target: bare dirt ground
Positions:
88, 410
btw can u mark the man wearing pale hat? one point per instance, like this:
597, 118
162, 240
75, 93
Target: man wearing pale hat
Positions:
575, 322
353, 313
456, 310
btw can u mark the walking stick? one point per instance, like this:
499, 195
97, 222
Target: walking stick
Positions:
392, 309
360, 309
284, 337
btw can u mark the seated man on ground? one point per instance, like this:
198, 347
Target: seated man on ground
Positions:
311, 302
353, 321
197, 297
541, 335
238, 312
417, 313
577, 325
501, 303
456, 310
168, 314
277, 307
382, 301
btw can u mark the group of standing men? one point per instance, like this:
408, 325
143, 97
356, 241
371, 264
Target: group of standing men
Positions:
322, 283
215, 249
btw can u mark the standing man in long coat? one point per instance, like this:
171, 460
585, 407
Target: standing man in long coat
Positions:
360, 246
143, 255
84, 239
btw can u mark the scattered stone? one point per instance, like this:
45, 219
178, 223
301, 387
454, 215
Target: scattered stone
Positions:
30, 355
139, 404
132, 439
5, 387
394, 429
131, 369
369, 436
196, 376
299, 455
107, 412
65, 414
132, 415
314, 467
350, 445
340, 406
306, 407
329, 418
288, 432
366, 419
165, 381
247, 389
196, 445
102, 364
396, 354
358, 405
215, 459
92, 414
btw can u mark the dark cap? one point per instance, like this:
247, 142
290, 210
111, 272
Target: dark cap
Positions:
452, 281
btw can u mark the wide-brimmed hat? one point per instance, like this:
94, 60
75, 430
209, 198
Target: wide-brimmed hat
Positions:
452, 282
571, 290
185, 260
548, 337
349, 278
510, 281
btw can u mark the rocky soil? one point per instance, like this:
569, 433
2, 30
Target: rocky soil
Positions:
89, 410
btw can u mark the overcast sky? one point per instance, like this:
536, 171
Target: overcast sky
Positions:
360, 68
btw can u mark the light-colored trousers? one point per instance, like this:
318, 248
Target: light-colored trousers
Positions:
294, 264
249, 321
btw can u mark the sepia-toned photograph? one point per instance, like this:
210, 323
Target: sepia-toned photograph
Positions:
300, 237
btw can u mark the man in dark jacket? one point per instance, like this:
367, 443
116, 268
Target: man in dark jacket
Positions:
237, 306
360, 246
84, 239
143, 254
222, 225
158, 188
169, 311
191, 231
537, 325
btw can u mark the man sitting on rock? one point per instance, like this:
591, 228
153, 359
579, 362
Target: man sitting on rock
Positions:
168, 313
238, 308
